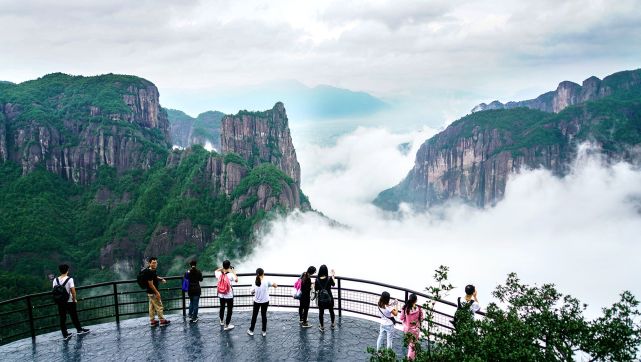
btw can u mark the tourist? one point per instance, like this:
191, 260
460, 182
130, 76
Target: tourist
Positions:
325, 299
305, 289
226, 278
260, 292
387, 312
155, 303
67, 303
195, 276
412, 317
470, 299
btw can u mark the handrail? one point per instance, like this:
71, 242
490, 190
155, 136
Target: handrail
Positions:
36, 313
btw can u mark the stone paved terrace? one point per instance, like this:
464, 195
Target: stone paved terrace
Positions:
135, 340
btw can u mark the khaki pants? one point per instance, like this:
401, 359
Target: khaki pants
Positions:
155, 307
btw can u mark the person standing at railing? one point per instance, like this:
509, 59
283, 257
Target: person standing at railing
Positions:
195, 276
226, 292
305, 296
260, 291
387, 312
324, 297
155, 303
412, 317
68, 305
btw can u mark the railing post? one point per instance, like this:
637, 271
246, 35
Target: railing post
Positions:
407, 297
116, 307
30, 313
184, 304
340, 306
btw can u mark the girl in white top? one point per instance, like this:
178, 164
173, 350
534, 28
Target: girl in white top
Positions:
387, 312
260, 290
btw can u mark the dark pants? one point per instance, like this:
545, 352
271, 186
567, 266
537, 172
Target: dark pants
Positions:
303, 310
193, 305
229, 302
321, 312
263, 314
63, 309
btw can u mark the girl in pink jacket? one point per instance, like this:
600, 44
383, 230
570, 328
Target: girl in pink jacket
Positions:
412, 317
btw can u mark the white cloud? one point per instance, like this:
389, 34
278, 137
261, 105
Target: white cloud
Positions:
420, 51
580, 232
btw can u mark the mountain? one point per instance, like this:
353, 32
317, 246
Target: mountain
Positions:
569, 93
472, 159
203, 130
88, 177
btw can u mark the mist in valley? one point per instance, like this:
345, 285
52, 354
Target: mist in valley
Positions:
580, 232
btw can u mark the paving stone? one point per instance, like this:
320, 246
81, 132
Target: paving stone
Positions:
135, 340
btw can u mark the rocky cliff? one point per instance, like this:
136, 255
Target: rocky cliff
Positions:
569, 93
203, 130
260, 137
73, 125
473, 158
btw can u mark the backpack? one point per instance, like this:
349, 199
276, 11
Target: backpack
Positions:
223, 284
59, 293
324, 298
142, 282
185, 286
460, 307
297, 288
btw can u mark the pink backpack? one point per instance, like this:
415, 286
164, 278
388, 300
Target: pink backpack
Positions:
223, 284
298, 284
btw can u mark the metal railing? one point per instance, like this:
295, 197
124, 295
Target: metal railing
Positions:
35, 314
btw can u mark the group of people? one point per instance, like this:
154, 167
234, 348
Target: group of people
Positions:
412, 317
411, 314
260, 288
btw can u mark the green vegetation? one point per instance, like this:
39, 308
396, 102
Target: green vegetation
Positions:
47, 220
532, 324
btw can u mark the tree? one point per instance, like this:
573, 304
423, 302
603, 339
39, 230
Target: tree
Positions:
534, 324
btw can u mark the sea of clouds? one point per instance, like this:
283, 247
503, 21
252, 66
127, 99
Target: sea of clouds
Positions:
580, 232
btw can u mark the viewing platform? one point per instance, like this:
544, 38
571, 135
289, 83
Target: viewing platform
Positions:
117, 314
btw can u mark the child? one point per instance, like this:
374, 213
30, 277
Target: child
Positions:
412, 317
261, 300
387, 312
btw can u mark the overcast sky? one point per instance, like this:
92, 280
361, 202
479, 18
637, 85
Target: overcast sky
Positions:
441, 57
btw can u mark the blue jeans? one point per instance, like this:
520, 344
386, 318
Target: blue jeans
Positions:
193, 305
385, 329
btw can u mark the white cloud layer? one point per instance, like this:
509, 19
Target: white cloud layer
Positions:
579, 232
424, 52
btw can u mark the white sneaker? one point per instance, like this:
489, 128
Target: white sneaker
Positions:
222, 323
229, 326
264, 334
250, 332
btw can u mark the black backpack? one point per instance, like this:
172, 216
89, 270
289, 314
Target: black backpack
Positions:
142, 282
324, 298
59, 293
462, 308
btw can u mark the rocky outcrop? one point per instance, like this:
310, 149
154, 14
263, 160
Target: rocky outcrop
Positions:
90, 133
569, 93
165, 239
473, 158
260, 137
203, 130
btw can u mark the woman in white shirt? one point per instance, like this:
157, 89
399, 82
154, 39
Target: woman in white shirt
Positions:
387, 313
261, 300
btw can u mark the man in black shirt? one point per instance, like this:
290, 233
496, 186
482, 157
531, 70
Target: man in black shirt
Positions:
155, 303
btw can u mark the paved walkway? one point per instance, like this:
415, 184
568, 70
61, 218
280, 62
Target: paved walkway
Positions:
134, 340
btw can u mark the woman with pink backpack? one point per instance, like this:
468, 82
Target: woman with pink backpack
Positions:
303, 292
412, 318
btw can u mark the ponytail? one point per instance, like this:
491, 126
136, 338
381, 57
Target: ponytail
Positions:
259, 273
